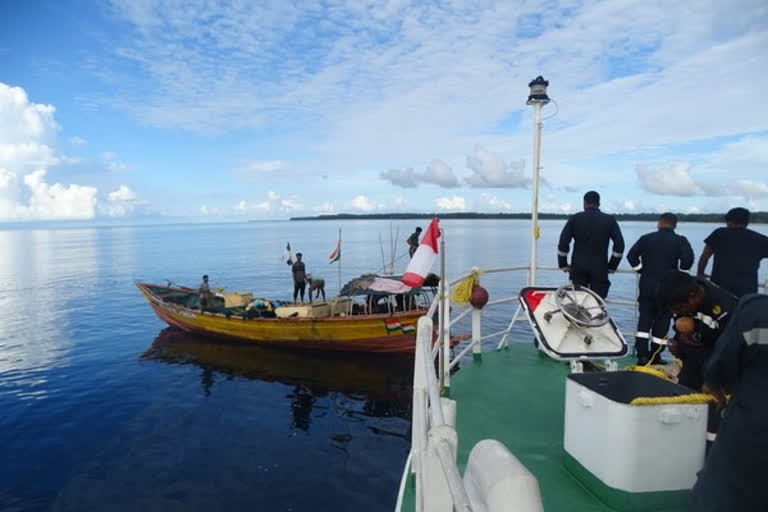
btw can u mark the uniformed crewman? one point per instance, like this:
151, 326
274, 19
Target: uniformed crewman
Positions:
734, 473
591, 230
738, 252
653, 255
708, 307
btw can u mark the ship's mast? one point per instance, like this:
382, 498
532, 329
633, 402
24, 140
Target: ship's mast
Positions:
538, 98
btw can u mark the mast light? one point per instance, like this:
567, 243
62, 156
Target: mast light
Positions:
538, 93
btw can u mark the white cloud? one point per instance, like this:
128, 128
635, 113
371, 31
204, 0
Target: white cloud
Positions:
113, 165
55, 201
405, 178
399, 203
451, 203
324, 208
274, 204
493, 203
491, 171
26, 131
668, 181
629, 206
206, 210
121, 202
77, 141
439, 173
259, 169
122, 194
363, 203
556, 207
750, 190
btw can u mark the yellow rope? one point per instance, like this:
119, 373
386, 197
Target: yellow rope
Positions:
462, 292
693, 398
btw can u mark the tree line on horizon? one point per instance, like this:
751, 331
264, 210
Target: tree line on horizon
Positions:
756, 217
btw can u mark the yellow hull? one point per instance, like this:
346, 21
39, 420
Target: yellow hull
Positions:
358, 333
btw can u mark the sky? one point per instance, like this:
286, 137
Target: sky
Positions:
226, 110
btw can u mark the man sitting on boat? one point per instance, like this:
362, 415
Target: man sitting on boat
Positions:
205, 293
299, 278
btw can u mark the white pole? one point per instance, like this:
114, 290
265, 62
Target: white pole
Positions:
535, 204
340, 260
446, 319
442, 363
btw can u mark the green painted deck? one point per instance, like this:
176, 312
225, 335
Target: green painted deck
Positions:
517, 396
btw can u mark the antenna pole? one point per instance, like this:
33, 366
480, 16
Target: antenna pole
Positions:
535, 204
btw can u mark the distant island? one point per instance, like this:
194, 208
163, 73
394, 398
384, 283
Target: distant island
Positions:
756, 218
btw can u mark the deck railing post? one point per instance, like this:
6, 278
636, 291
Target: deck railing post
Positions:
447, 339
477, 349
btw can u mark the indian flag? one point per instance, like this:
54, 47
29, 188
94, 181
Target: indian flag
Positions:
336, 254
424, 257
396, 326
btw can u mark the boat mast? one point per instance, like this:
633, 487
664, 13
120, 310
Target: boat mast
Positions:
538, 98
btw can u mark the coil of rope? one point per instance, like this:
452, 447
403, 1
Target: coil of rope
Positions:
462, 292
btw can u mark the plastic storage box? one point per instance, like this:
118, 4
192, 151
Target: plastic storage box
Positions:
633, 448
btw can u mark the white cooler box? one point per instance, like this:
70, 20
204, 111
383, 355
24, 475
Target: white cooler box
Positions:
633, 448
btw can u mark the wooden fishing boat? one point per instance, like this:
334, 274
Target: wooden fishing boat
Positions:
335, 325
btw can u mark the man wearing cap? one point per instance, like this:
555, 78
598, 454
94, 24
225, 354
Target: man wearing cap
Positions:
591, 231
737, 251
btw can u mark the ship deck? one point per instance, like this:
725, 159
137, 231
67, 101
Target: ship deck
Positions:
516, 396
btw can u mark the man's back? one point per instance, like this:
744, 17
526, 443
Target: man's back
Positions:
591, 231
654, 254
738, 252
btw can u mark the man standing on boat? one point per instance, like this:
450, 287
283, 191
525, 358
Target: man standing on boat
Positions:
738, 252
653, 255
591, 230
204, 291
299, 277
733, 477
413, 241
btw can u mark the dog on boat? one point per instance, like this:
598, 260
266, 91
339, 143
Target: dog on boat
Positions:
316, 285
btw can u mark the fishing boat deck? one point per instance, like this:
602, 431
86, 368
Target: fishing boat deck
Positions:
517, 396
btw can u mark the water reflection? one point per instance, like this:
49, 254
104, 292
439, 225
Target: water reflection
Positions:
359, 384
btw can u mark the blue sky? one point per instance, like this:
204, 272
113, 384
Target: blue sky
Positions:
233, 110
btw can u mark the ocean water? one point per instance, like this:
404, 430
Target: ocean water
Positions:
103, 408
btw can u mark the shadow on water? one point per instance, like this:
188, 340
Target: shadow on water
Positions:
246, 427
383, 382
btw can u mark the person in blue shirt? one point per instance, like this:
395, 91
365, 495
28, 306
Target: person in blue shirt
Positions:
734, 473
738, 252
653, 255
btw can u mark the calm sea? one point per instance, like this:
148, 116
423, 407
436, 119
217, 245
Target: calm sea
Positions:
103, 408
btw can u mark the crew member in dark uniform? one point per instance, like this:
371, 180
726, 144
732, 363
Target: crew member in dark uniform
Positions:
738, 252
733, 477
707, 307
653, 255
591, 230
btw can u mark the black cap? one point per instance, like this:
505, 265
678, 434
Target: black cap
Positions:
738, 216
298, 254
418, 228
205, 276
